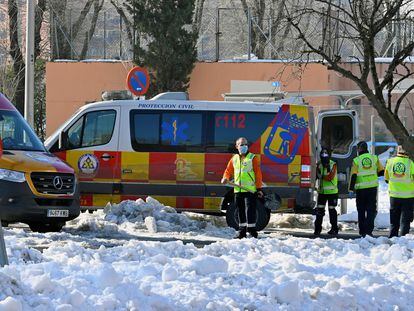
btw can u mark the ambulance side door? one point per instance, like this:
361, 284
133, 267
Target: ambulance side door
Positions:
91, 146
338, 131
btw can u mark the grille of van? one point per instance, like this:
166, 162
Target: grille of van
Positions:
53, 183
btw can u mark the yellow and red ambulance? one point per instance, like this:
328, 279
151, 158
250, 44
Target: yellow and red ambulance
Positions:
176, 151
36, 187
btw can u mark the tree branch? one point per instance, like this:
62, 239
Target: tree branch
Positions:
97, 8
127, 22
78, 24
399, 101
397, 60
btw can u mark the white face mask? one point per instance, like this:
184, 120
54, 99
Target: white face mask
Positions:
243, 149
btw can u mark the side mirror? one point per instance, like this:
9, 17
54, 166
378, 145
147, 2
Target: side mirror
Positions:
63, 140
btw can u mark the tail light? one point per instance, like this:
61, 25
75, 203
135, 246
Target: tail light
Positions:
305, 172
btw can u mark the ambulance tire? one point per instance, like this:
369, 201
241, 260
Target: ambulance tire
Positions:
262, 216
43, 228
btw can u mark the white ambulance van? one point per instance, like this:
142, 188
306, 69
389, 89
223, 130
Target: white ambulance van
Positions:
176, 151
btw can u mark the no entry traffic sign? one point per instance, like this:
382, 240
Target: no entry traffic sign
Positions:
138, 81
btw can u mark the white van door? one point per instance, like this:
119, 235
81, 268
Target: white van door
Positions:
90, 145
338, 131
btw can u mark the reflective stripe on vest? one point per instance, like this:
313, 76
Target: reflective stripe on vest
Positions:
367, 171
326, 186
244, 173
401, 184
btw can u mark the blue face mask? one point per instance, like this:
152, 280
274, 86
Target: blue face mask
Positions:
243, 149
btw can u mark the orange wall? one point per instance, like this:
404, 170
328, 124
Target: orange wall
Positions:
211, 80
69, 85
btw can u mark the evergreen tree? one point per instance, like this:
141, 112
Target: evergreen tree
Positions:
166, 45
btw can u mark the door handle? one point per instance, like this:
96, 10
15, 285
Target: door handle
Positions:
211, 173
106, 156
126, 171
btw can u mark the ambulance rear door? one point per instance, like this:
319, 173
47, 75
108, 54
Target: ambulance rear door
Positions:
90, 143
338, 131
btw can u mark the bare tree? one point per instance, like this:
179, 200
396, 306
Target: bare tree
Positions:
63, 31
198, 15
127, 22
97, 7
361, 22
257, 14
16, 51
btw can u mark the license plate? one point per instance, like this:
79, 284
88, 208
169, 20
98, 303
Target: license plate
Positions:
57, 213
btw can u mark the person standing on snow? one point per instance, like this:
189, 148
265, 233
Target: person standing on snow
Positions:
327, 192
366, 168
399, 174
245, 168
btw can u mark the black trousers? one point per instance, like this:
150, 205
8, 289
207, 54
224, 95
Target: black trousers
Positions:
246, 203
366, 202
332, 200
401, 213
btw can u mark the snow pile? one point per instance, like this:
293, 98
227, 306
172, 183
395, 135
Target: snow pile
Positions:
250, 274
150, 216
154, 216
291, 221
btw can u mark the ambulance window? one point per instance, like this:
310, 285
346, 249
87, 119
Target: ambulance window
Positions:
181, 129
74, 134
166, 131
98, 128
146, 129
92, 129
337, 133
228, 126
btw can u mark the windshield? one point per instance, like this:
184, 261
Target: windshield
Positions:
16, 133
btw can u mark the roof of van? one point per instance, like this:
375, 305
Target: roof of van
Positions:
5, 104
193, 105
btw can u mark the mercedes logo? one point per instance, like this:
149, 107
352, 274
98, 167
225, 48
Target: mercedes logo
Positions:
57, 182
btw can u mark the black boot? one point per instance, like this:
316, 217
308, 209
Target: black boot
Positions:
253, 232
333, 219
333, 231
318, 225
242, 233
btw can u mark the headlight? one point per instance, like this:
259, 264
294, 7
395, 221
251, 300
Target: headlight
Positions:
12, 175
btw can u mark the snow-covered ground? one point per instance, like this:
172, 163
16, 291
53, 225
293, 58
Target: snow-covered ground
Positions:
99, 263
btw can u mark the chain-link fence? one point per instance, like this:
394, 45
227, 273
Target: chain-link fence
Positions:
100, 34
225, 33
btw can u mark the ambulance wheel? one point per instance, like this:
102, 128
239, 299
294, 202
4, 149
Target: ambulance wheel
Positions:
262, 216
43, 228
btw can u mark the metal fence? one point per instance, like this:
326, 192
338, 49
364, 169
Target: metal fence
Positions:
225, 33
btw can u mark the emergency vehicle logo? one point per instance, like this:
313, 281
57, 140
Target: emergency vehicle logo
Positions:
366, 163
173, 132
88, 164
399, 169
285, 137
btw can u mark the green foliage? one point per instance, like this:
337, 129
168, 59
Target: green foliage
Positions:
167, 41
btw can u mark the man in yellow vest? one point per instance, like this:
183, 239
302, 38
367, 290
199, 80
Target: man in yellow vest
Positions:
245, 168
399, 174
327, 192
366, 168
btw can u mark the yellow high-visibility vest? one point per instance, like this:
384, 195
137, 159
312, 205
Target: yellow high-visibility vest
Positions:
367, 171
244, 173
328, 186
400, 171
